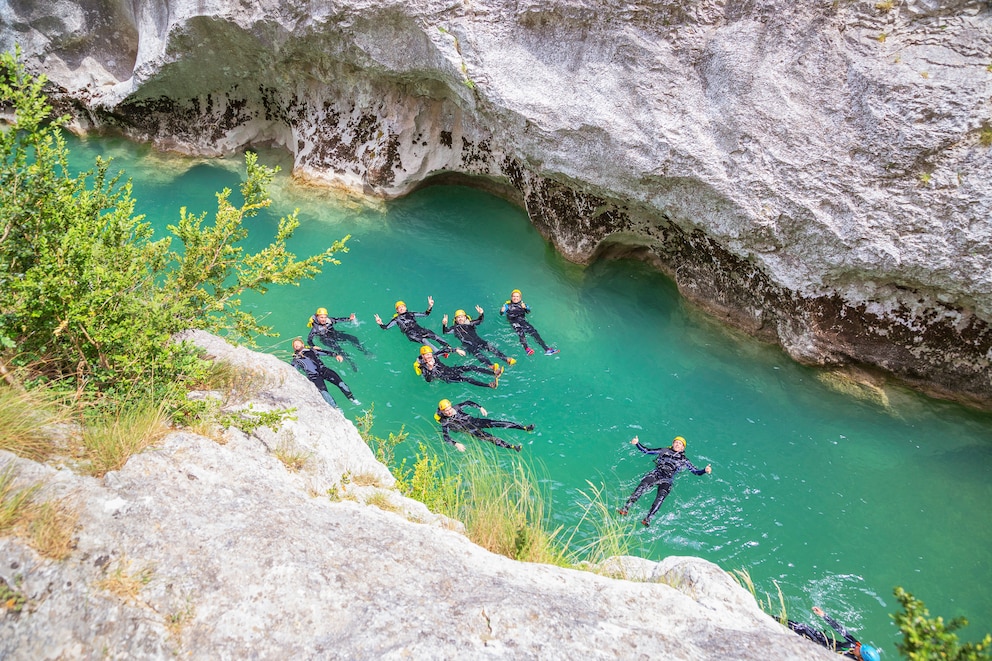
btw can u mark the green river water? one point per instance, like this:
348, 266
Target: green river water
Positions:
835, 498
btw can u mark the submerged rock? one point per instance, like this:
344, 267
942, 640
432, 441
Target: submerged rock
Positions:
204, 549
817, 175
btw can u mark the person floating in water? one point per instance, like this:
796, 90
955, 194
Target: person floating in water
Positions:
454, 419
515, 309
850, 647
407, 321
322, 328
307, 360
431, 368
668, 462
465, 330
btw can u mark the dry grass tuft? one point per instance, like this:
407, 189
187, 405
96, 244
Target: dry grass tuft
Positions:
15, 503
238, 384
291, 456
366, 480
382, 501
52, 529
48, 527
126, 584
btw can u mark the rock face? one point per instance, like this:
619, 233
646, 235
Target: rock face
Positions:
818, 174
241, 558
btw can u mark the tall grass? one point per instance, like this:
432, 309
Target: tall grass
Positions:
495, 495
499, 499
609, 537
504, 509
744, 578
114, 436
26, 417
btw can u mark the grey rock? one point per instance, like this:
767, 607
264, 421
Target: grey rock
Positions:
811, 173
245, 559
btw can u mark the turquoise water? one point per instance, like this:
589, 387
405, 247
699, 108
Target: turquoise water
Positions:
835, 499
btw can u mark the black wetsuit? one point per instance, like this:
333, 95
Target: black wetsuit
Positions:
307, 360
414, 331
668, 463
464, 422
849, 647
515, 313
451, 374
332, 338
475, 345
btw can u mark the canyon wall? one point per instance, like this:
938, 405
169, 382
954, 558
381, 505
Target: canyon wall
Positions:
817, 174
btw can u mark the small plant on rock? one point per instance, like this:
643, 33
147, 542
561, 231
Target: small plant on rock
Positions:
12, 599
985, 137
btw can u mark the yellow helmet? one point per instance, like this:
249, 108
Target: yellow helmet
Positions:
399, 303
444, 404
679, 438
426, 349
321, 311
515, 291
460, 313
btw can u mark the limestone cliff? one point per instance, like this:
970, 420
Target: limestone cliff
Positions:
241, 558
819, 174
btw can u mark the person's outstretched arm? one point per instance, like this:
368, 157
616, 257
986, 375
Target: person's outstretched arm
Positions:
837, 626
392, 322
637, 442
698, 471
430, 306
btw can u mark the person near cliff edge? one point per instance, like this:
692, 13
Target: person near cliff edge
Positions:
322, 328
465, 330
431, 368
407, 321
850, 647
453, 418
515, 310
307, 360
668, 462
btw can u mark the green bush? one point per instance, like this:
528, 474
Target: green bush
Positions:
931, 639
88, 297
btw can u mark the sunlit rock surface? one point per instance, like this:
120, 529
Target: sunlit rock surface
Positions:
817, 174
232, 556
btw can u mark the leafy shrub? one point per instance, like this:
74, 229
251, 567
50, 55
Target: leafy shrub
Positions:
931, 639
89, 298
